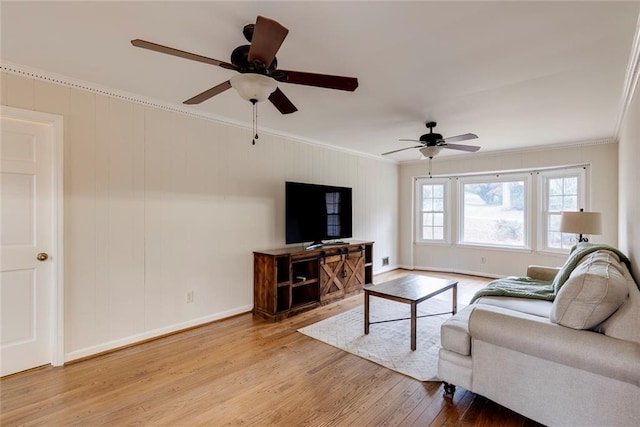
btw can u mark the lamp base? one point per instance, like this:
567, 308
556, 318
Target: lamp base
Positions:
582, 239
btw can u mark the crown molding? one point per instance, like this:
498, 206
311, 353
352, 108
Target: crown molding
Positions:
546, 147
630, 80
46, 76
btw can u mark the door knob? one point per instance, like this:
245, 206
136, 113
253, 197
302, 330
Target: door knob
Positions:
42, 256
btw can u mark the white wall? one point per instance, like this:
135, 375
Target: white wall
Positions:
604, 198
159, 203
629, 173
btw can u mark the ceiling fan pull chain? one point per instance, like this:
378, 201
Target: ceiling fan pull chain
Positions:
430, 160
255, 121
255, 106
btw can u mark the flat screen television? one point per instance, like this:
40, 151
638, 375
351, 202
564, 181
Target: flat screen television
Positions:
314, 213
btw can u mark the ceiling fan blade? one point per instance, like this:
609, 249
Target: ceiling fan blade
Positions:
209, 93
402, 149
470, 148
181, 53
268, 36
281, 102
410, 140
319, 80
459, 138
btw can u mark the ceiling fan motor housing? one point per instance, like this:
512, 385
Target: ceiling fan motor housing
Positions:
431, 138
240, 58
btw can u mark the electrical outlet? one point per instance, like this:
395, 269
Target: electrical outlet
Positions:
385, 261
188, 297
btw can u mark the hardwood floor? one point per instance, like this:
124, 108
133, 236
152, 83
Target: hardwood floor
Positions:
243, 371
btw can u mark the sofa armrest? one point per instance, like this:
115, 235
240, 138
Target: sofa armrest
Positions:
540, 272
536, 336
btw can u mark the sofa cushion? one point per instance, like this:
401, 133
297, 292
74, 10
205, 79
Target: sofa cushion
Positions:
624, 324
594, 291
536, 307
454, 332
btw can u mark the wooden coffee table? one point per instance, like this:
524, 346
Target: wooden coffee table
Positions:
411, 289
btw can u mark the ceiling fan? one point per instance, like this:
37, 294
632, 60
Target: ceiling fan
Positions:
432, 143
256, 62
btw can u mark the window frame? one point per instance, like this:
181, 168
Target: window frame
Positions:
497, 178
418, 202
581, 172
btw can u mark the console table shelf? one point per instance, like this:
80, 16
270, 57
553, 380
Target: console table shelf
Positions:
291, 280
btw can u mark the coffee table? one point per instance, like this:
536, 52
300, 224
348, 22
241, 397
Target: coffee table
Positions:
411, 289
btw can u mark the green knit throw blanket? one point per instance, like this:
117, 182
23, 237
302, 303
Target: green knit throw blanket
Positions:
526, 287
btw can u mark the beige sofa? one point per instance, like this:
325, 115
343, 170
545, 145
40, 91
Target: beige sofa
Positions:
571, 361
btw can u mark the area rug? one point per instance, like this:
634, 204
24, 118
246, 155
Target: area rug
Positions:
388, 344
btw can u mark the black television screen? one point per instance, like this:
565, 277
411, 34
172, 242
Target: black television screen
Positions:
316, 212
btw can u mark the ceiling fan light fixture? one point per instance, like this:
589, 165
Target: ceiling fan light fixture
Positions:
430, 151
253, 87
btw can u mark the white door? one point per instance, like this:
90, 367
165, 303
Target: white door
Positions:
26, 245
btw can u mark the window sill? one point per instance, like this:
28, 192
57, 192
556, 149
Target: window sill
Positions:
553, 252
495, 248
432, 243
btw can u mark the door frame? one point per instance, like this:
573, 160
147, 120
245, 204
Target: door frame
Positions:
56, 301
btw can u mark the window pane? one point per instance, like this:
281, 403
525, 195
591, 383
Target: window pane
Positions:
427, 219
427, 191
438, 220
570, 203
571, 185
438, 233
427, 233
555, 203
554, 222
438, 205
494, 213
438, 191
554, 239
568, 240
555, 186
427, 204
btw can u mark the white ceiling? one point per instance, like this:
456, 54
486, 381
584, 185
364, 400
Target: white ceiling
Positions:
518, 74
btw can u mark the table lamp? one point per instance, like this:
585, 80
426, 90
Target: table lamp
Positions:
581, 223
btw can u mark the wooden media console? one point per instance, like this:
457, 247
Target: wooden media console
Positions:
291, 280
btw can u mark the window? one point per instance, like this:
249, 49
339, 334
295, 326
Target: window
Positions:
494, 210
431, 203
562, 190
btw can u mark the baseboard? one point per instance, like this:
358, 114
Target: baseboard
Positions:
386, 268
479, 273
156, 333
452, 270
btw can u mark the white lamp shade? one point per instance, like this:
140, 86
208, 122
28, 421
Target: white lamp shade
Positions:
431, 151
581, 222
253, 86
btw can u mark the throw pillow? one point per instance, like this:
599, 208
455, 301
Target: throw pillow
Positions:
594, 291
624, 324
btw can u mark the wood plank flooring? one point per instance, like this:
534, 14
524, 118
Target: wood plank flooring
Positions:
243, 371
